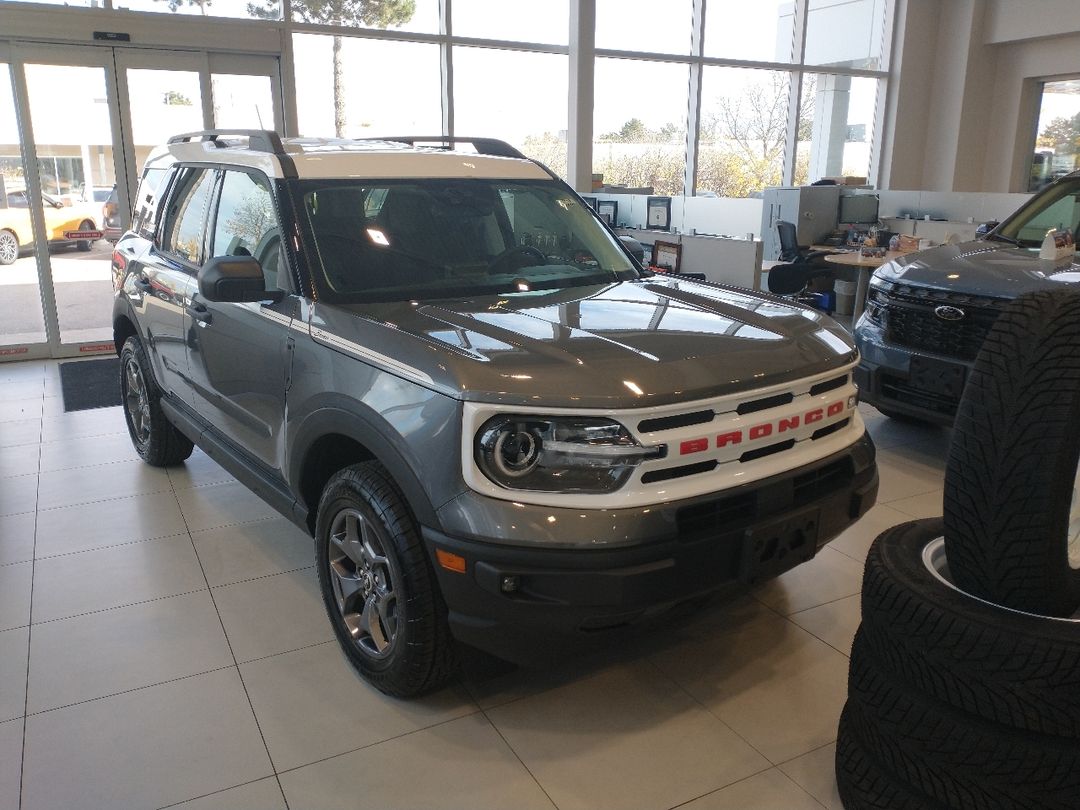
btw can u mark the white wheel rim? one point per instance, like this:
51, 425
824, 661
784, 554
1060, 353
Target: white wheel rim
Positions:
9, 248
937, 564
1074, 524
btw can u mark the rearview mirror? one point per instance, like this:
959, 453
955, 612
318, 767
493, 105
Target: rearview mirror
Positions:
234, 279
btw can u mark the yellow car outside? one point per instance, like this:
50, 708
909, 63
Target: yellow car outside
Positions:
60, 219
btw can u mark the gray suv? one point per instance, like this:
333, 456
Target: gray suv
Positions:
927, 313
500, 430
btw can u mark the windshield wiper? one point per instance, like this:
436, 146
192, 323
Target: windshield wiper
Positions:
1003, 238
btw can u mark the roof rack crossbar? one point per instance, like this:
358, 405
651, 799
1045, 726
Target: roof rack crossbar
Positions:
483, 146
259, 140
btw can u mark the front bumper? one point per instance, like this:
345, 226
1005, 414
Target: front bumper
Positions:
562, 598
884, 378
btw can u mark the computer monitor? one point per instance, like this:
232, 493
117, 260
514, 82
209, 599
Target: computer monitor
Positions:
858, 209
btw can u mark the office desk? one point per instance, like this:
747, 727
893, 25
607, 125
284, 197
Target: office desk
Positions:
867, 265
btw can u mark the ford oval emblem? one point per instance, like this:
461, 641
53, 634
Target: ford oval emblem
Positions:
947, 313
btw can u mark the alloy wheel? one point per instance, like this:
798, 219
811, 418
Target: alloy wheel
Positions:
137, 402
9, 248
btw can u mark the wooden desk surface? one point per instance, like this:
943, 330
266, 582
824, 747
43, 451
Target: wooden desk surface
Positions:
855, 259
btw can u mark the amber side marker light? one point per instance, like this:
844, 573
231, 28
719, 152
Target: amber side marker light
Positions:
451, 562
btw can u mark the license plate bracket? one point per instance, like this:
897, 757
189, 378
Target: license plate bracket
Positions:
937, 376
773, 548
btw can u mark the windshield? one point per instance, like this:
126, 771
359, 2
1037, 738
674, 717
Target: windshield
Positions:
411, 239
1056, 207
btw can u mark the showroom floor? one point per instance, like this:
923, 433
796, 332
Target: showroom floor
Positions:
162, 640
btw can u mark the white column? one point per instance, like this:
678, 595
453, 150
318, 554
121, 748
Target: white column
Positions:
579, 135
830, 126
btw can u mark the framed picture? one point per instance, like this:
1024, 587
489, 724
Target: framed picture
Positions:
666, 256
658, 213
590, 201
608, 211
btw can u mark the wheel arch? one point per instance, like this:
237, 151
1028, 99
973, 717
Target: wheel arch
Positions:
330, 439
123, 328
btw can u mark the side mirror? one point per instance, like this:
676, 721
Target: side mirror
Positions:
985, 228
234, 279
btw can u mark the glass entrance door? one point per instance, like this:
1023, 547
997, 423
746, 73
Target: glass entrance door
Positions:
88, 117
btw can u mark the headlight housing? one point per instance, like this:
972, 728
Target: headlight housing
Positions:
559, 453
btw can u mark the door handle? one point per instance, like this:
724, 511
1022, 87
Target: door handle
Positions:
200, 313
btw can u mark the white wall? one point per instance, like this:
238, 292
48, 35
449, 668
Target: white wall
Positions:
965, 81
726, 216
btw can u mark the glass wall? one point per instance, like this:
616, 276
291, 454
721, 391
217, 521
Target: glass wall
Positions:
762, 30
527, 21
836, 126
491, 100
354, 87
636, 25
260, 9
639, 124
1057, 135
743, 130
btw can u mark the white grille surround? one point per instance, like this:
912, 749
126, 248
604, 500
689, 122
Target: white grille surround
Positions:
725, 439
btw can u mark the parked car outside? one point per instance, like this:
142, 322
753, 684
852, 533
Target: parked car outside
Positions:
500, 430
110, 216
61, 219
927, 313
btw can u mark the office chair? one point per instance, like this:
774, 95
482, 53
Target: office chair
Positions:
791, 280
789, 246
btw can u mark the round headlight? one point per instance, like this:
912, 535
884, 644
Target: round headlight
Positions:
516, 451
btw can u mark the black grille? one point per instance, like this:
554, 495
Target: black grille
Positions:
899, 389
908, 315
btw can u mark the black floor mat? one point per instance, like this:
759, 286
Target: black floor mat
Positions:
90, 384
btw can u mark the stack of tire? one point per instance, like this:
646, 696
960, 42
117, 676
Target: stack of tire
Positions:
964, 688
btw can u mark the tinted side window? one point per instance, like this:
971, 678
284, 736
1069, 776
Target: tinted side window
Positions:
246, 223
144, 218
184, 218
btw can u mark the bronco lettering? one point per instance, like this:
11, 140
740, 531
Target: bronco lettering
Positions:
763, 430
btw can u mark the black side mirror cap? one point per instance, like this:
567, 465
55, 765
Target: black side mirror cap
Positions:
986, 227
634, 248
234, 279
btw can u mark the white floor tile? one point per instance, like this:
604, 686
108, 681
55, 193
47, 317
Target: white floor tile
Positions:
342, 714
14, 645
11, 743
20, 389
776, 685
19, 460
88, 484
627, 738
898, 480
262, 795
146, 748
816, 773
769, 790
250, 550
14, 410
856, 541
73, 584
89, 451
834, 623
125, 648
221, 505
273, 615
462, 764
829, 576
18, 495
76, 424
15, 583
17, 538
25, 431
107, 523
921, 506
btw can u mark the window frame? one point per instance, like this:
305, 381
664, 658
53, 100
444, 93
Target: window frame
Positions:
174, 186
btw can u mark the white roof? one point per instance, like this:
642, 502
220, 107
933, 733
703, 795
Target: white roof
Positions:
328, 158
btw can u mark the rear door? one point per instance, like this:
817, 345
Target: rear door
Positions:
238, 354
166, 272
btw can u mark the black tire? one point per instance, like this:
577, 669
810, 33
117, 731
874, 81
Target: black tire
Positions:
961, 761
408, 650
156, 440
1011, 668
1012, 466
9, 247
84, 245
864, 784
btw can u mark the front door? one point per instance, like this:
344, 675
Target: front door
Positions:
239, 354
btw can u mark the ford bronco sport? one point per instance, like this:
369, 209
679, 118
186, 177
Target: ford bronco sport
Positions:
500, 430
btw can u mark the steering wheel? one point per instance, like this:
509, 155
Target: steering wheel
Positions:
504, 258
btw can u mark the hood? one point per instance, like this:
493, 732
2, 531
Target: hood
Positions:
995, 269
630, 344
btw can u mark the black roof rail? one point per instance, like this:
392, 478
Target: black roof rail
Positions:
259, 140
483, 146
